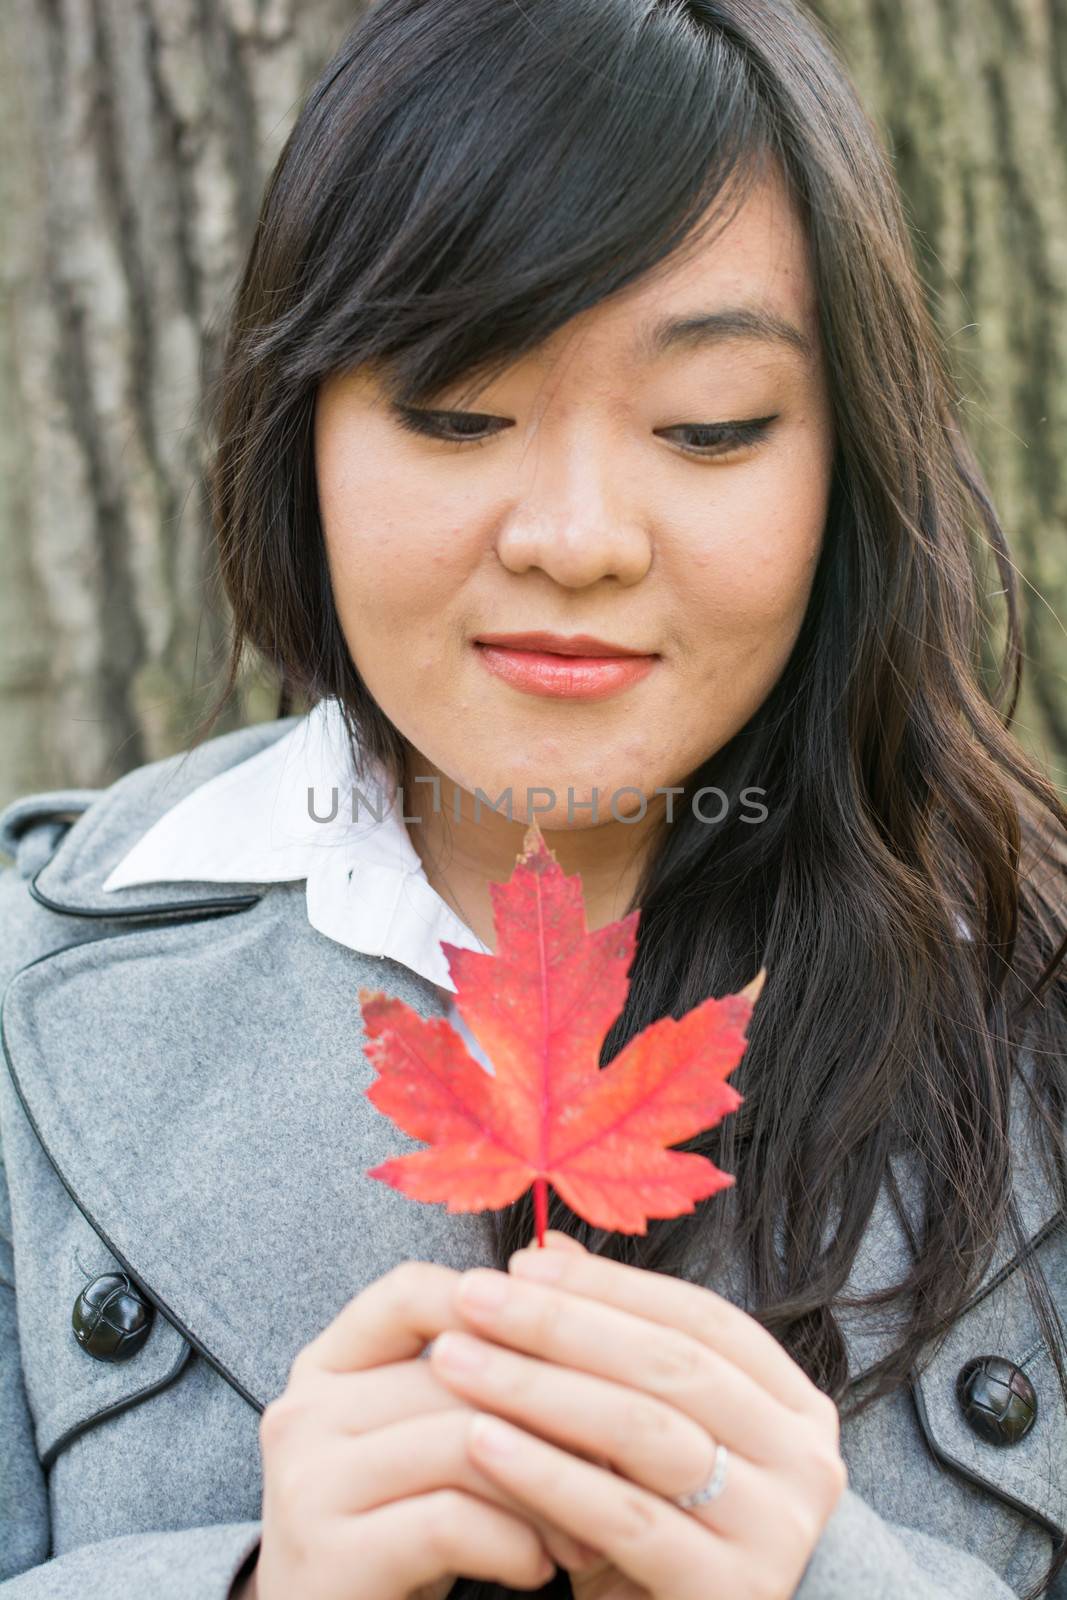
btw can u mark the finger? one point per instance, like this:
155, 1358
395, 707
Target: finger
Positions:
362, 1402
374, 1402
416, 1456
690, 1307
658, 1545
642, 1438
572, 1331
555, 1240
393, 1318
407, 1543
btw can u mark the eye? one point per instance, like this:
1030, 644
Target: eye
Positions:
456, 427
715, 439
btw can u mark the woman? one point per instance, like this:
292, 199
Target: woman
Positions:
594, 319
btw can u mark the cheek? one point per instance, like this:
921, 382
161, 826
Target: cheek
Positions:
768, 589
754, 563
398, 540
393, 565
391, 568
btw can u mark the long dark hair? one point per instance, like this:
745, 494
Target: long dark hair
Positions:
464, 177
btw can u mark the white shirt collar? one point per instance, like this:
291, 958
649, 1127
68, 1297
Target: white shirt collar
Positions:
366, 885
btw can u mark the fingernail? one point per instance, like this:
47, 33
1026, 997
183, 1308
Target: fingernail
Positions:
458, 1352
480, 1288
493, 1438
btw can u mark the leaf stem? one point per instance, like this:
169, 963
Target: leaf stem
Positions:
541, 1209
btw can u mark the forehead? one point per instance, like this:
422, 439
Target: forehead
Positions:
746, 285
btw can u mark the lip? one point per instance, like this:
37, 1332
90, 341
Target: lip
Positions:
563, 677
560, 644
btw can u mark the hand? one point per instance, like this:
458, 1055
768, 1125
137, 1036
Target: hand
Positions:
368, 1490
638, 1375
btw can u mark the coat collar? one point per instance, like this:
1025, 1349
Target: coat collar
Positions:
290, 809
204, 1106
71, 880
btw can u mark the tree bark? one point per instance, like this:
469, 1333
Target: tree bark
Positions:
137, 138
971, 97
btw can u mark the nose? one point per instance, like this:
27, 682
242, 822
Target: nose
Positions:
576, 520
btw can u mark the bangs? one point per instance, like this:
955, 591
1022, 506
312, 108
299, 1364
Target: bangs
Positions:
506, 176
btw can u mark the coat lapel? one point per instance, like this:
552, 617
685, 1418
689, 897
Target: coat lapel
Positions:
198, 1086
884, 1256
197, 1080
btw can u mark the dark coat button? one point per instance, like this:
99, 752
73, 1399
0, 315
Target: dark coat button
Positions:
111, 1319
997, 1398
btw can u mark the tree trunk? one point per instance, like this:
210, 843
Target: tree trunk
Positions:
971, 96
137, 139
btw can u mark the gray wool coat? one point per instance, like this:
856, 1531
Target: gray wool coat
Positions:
181, 1098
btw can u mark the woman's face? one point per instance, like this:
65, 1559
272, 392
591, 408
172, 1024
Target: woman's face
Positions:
605, 497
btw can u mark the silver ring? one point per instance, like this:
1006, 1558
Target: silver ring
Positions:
714, 1486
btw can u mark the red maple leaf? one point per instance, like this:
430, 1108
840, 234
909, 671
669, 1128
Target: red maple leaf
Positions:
541, 1007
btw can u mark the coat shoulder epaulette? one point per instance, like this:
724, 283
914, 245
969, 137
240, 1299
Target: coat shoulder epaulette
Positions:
32, 825
87, 831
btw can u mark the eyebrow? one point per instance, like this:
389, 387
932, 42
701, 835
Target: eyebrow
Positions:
702, 328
